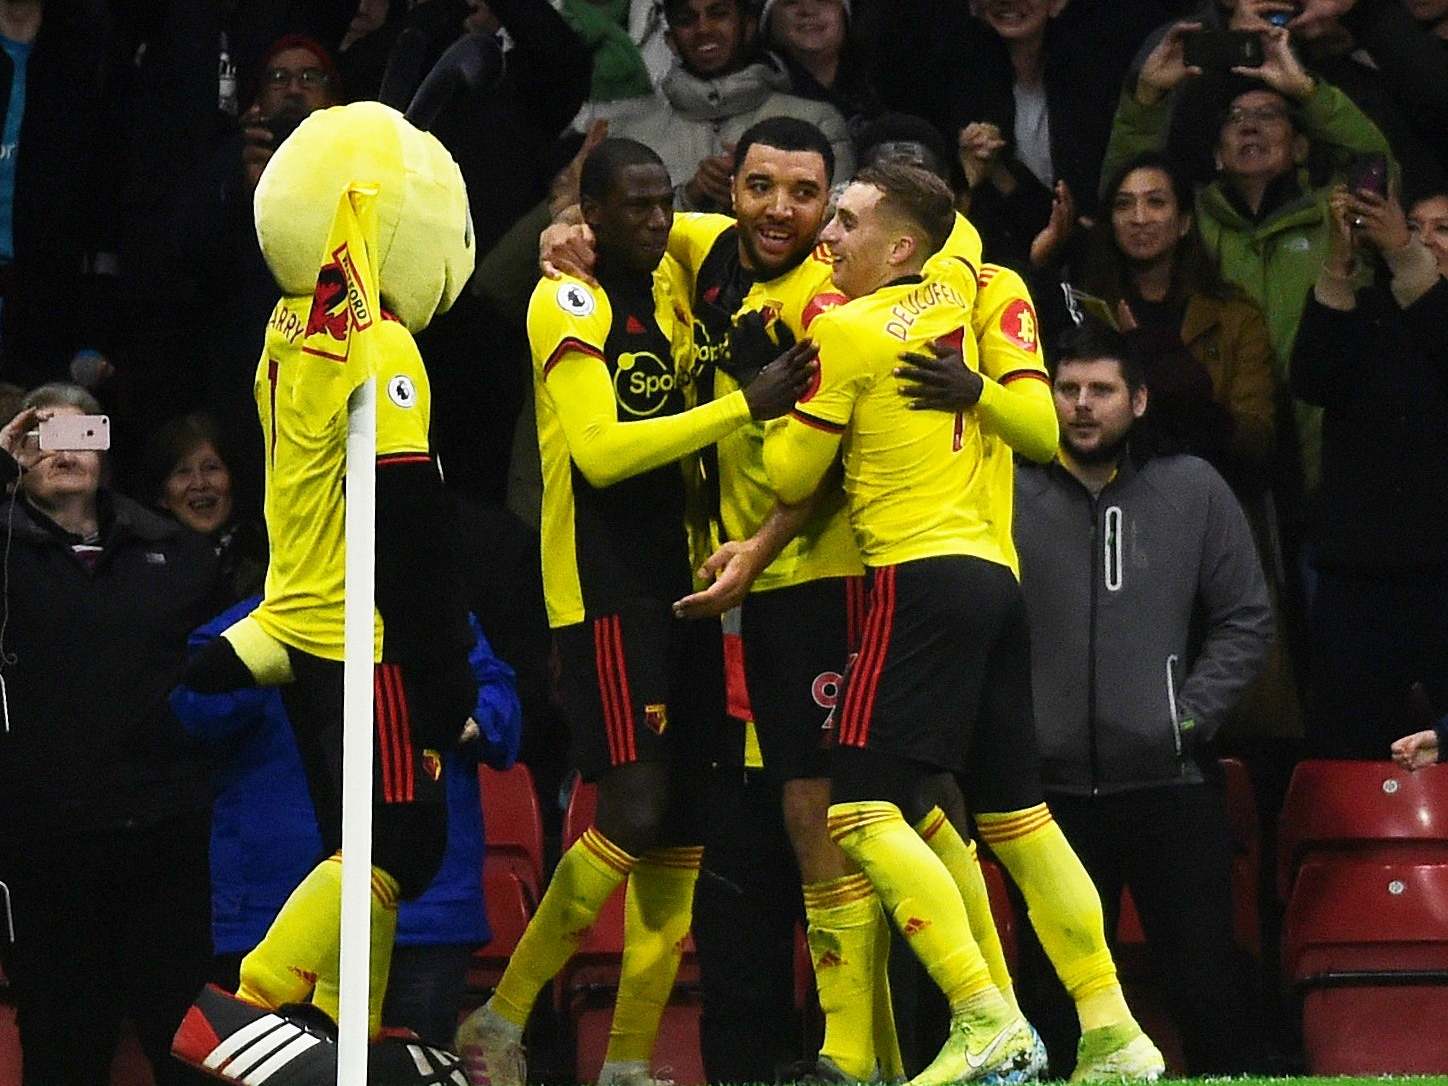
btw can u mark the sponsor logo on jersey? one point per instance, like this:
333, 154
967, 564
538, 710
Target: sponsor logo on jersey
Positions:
1018, 324
643, 383
656, 717
576, 299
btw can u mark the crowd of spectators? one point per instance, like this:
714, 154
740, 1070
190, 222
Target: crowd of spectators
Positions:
1271, 238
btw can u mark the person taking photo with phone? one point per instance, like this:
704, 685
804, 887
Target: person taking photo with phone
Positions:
104, 804
1371, 354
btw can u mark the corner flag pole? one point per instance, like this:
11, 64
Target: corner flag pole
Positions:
361, 534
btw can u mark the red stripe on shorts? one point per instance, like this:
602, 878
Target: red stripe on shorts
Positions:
603, 665
630, 750
379, 717
865, 679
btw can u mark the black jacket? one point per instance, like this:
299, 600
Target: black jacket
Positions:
91, 657
1381, 374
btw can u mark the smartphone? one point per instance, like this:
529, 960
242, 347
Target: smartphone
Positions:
1282, 18
1369, 173
74, 432
1222, 50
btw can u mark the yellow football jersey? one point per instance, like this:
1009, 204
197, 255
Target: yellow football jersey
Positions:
1005, 327
613, 370
916, 480
309, 366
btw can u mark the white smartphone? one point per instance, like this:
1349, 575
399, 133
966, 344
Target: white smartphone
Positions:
73, 432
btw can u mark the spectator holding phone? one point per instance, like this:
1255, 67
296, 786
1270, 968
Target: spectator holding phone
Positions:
104, 805
1263, 216
1371, 354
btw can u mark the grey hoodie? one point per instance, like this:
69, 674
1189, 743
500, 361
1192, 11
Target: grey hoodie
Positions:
1149, 617
695, 117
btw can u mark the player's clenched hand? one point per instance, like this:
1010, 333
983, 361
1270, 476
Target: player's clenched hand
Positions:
780, 384
733, 567
751, 347
567, 250
939, 381
1417, 750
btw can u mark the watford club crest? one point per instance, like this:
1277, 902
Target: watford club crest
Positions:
656, 717
340, 307
432, 765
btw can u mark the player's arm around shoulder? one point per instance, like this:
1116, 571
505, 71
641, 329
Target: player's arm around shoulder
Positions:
693, 235
799, 448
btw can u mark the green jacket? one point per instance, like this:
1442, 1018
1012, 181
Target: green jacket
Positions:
1276, 260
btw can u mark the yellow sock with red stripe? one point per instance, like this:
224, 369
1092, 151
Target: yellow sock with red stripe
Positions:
1064, 906
922, 900
840, 916
284, 966
658, 909
960, 859
887, 1039
588, 873
379, 961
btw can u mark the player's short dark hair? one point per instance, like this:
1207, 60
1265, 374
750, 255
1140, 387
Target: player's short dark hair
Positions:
1091, 340
916, 195
786, 134
604, 162
902, 128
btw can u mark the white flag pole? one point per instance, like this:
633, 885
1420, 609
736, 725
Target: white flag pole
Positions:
361, 530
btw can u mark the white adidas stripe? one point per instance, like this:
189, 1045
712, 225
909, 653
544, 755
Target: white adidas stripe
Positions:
240, 1039
249, 1057
419, 1060
281, 1059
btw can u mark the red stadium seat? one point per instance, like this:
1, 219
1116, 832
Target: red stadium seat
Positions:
1246, 855
1371, 808
1366, 946
676, 1053
582, 803
508, 914
512, 825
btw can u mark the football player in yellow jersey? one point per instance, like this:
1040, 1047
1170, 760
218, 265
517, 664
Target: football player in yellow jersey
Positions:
803, 615
612, 366
1002, 772
945, 647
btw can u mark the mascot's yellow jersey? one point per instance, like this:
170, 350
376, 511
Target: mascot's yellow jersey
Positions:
1004, 323
916, 480
708, 248
613, 370
308, 368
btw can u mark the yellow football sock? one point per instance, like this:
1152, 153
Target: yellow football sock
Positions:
923, 902
658, 909
960, 859
284, 966
587, 874
887, 1040
1064, 906
840, 918
327, 996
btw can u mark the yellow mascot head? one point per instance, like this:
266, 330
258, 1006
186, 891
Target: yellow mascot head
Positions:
423, 251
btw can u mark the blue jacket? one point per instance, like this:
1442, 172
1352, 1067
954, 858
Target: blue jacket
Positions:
264, 834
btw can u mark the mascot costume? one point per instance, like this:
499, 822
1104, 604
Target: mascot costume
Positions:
363, 219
